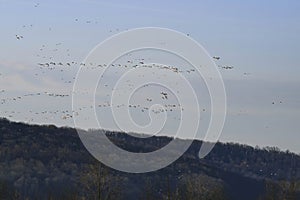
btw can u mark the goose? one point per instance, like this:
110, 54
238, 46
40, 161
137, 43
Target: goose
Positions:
19, 37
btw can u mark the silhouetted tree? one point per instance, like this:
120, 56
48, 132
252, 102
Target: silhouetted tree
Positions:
100, 184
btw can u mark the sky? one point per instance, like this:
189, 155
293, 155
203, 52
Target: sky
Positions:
260, 39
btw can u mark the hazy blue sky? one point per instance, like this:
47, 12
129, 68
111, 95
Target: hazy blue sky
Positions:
259, 38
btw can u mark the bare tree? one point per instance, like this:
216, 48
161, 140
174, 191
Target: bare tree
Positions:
100, 184
202, 187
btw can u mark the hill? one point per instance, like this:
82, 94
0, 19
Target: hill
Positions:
47, 162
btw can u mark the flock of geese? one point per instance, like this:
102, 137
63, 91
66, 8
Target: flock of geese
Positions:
68, 114
62, 67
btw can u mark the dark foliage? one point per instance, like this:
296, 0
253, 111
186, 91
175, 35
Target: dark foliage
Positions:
46, 162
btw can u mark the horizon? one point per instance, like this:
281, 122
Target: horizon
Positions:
168, 136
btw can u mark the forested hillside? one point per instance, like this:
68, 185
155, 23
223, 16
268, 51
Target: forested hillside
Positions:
46, 162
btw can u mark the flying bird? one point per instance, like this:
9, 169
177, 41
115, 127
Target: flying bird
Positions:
227, 67
165, 95
19, 37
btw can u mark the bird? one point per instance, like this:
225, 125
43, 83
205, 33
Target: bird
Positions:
216, 57
165, 95
19, 37
226, 67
